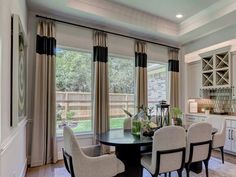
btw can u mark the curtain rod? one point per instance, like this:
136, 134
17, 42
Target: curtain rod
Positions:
109, 32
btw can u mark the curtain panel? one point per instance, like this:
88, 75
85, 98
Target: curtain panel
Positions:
44, 150
141, 74
100, 83
173, 68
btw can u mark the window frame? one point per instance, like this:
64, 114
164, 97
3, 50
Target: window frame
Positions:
167, 74
124, 58
85, 133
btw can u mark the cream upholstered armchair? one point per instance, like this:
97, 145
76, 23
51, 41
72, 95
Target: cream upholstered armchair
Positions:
218, 140
198, 149
168, 151
84, 162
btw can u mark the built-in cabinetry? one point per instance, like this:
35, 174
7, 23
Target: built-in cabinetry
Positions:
230, 143
233, 69
194, 79
216, 69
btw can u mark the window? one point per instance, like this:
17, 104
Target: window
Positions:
121, 89
157, 83
73, 90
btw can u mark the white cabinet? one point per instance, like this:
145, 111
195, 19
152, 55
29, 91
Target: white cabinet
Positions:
194, 79
233, 56
230, 142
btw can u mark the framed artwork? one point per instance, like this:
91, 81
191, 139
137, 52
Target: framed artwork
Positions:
18, 71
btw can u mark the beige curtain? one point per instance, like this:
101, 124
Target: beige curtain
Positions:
44, 149
173, 77
141, 74
100, 83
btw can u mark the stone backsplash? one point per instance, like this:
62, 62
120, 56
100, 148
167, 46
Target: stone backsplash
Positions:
220, 101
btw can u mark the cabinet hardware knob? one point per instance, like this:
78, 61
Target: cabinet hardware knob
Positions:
232, 136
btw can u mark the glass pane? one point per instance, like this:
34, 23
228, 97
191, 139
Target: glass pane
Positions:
73, 90
157, 83
121, 90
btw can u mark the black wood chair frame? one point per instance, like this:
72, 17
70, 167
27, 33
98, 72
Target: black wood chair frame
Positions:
158, 157
205, 161
68, 163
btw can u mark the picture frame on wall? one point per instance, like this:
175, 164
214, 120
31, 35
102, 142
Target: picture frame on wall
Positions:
18, 71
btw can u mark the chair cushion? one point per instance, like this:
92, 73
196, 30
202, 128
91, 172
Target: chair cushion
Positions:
120, 167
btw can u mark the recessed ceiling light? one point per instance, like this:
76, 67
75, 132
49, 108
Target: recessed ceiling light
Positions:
179, 16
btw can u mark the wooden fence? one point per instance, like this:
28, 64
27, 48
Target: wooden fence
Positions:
78, 105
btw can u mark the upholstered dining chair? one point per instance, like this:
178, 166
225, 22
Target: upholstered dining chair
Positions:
198, 149
83, 162
219, 137
168, 151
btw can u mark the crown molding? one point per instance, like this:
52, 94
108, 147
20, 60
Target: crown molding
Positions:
107, 14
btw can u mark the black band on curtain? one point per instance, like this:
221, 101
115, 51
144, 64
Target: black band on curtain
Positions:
173, 65
45, 45
100, 54
140, 60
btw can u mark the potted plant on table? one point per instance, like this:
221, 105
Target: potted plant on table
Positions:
140, 122
176, 115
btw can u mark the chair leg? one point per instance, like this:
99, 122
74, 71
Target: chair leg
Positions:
206, 166
179, 173
141, 171
165, 175
169, 174
222, 154
187, 168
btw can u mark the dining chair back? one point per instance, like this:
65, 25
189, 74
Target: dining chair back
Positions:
219, 137
199, 143
127, 123
168, 151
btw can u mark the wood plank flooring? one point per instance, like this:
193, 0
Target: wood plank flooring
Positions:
58, 170
228, 157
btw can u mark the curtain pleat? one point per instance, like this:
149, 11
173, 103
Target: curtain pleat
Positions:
44, 150
173, 68
141, 74
100, 83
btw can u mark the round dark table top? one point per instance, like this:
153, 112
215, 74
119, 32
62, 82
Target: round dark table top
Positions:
121, 137
125, 137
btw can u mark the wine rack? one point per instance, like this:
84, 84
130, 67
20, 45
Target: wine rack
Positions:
216, 70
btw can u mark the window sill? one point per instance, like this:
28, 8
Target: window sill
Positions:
80, 135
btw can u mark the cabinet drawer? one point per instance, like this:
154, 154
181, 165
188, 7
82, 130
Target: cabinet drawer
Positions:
228, 123
233, 123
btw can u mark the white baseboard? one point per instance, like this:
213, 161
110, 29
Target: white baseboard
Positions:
7, 142
24, 169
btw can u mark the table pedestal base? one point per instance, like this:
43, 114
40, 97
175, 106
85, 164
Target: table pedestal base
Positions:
196, 167
130, 156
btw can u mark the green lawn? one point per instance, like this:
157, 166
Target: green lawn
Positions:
86, 125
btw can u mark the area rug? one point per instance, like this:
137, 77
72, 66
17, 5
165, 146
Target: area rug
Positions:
216, 169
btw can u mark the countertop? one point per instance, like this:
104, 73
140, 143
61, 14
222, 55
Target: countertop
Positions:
233, 117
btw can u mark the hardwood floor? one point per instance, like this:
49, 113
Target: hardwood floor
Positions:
58, 170
48, 171
228, 158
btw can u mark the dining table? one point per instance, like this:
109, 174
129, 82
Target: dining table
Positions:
128, 149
